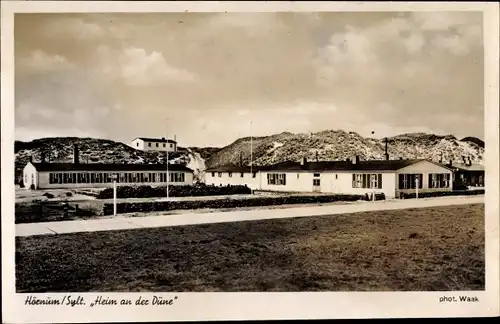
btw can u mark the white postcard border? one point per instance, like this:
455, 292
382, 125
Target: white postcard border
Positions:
254, 306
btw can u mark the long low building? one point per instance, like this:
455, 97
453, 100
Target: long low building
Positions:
98, 175
390, 177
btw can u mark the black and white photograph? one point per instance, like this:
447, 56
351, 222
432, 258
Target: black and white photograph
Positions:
230, 151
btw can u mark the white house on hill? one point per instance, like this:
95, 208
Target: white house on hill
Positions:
342, 177
154, 144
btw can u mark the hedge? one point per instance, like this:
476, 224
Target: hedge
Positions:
443, 194
226, 203
174, 191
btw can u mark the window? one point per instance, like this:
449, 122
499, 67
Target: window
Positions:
366, 181
230, 174
278, 179
439, 180
220, 174
298, 175
409, 181
213, 174
149, 144
164, 145
357, 181
336, 176
137, 144
241, 175
156, 144
316, 175
177, 177
171, 146
316, 182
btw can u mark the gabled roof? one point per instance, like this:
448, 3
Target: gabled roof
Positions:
373, 165
108, 167
159, 140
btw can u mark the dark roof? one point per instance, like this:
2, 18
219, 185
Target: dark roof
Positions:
234, 168
108, 167
159, 140
466, 167
373, 165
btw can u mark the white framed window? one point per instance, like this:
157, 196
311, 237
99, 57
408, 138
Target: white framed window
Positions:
357, 181
220, 174
316, 182
230, 174
277, 179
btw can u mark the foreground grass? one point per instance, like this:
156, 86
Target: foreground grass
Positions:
429, 249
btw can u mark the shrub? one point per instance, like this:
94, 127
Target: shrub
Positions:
32, 187
69, 194
443, 194
173, 191
48, 195
21, 183
226, 203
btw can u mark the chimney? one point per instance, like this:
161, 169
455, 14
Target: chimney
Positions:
175, 137
303, 162
451, 163
163, 138
470, 161
386, 149
441, 158
355, 160
317, 156
43, 157
31, 158
76, 157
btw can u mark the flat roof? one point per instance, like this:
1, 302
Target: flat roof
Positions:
372, 165
466, 167
108, 167
159, 140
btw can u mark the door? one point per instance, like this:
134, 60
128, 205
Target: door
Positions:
316, 185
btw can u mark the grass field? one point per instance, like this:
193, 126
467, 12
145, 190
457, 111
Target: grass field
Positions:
428, 249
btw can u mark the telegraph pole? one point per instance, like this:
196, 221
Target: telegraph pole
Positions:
168, 174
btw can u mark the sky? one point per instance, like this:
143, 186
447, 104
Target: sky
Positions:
211, 78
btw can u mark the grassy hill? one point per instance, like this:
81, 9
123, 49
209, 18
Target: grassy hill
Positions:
340, 145
92, 150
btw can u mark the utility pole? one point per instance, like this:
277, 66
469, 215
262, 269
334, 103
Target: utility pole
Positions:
251, 155
168, 174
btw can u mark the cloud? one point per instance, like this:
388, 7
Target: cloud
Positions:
139, 68
74, 27
40, 61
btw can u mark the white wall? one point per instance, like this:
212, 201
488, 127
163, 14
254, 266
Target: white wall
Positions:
44, 181
424, 168
143, 145
234, 180
330, 182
